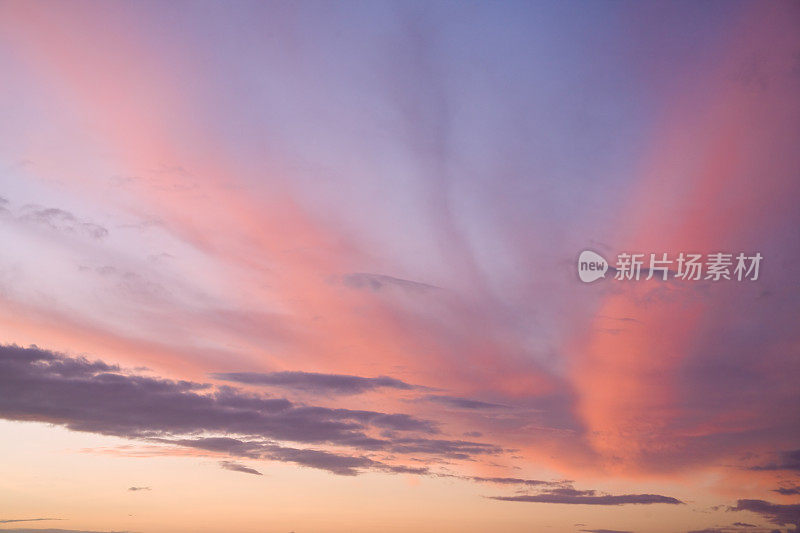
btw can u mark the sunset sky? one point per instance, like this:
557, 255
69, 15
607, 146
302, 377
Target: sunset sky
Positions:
311, 266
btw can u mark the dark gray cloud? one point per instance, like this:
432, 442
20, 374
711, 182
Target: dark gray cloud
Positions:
94, 396
336, 463
605, 531
50, 530
729, 529
61, 220
788, 490
454, 449
736, 527
463, 403
138, 489
239, 467
12, 520
344, 465
569, 495
511, 481
376, 282
774, 513
314, 382
788, 460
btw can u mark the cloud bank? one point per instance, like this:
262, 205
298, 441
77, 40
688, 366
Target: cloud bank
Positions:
97, 397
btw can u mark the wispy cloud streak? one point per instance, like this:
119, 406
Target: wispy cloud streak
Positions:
314, 382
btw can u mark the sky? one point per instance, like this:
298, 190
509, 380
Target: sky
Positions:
312, 266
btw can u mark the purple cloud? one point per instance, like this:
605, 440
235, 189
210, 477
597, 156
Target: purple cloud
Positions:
775, 513
788, 460
376, 282
239, 467
14, 520
51, 530
463, 403
788, 491
314, 382
510, 481
94, 396
569, 495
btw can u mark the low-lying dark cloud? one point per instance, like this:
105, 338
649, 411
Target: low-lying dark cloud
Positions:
463, 403
605, 531
239, 467
569, 495
376, 282
453, 449
13, 520
314, 382
93, 396
788, 491
788, 460
344, 465
512, 481
50, 530
736, 527
782, 515
138, 489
